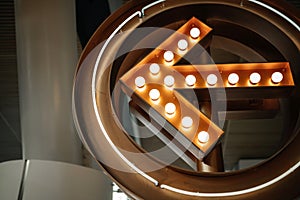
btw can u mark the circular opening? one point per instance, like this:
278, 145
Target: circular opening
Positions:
233, 78
187, 122
225, 47
154, 68
195, 32
255, 78
203, 137
169, 81
211, 79
190, 80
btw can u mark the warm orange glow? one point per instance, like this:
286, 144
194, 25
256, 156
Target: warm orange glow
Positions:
243, 70
203, 137
165, 78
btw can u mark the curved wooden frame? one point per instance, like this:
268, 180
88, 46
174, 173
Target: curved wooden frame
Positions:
277, 177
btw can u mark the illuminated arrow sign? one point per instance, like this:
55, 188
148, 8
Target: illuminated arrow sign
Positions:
154, 81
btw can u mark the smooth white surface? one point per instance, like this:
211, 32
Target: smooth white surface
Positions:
195, 32
203, 137
187, 122
233, 78
47, 58
154, 68
168, 56
170, 108
277, 77
139, 81
154, 94
10, 179
169, 81
182, 44
211, 79
255, 78
190, 80
49, 180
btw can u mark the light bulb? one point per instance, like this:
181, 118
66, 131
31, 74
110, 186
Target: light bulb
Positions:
154, 68
168, 56
190, 80
186, 122
139, 81
211, 79
170, 108
277, 77
195, 32
182, 44
154, 94
233, 78
169, 81
203, 137
255, 78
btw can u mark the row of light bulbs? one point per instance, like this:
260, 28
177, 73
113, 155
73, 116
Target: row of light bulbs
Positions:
186, 121
211, 79
190, 81
170, 109
169, 81
182, 44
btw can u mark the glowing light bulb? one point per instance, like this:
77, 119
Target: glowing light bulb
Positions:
277, 77
233, 78
203, 137
186, 122
182, 44
154, 68
211, 79
255, 78
170, 108
168, 56
169, 81
190, 80
154, 94
195, 32
139, 81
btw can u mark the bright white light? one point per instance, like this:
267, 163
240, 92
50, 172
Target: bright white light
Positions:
95, 107
170, 108
233, 78
255, 78
278, 13
182, 44
186, 122
211, 79
140, 81
168, 56
190, 80
277, 77
154, 68
154, 94
234, 193
169, 81
203, 137
195, 32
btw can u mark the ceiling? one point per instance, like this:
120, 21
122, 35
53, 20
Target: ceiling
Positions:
237, 144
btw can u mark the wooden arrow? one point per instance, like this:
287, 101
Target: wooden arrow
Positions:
153, 84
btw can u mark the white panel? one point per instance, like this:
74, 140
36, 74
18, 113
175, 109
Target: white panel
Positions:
48, 180
10, 179
47, 58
